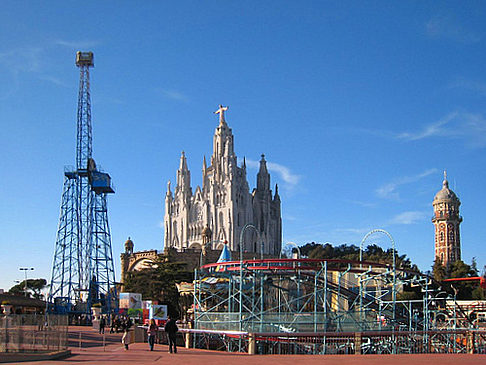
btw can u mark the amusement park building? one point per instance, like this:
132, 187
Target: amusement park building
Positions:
217, 212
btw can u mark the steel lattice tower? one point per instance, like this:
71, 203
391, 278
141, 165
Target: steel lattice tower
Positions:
82, 271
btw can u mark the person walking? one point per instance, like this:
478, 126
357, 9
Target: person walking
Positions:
171, 329
102, 325
126, 338
152, 331
112, 325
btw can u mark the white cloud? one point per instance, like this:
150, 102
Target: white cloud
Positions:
15, 62
78, 45
389, 190
282, 171
468, 127
411, 217
252, 164
361, 203
22, 59
173, 94
471, 85
54, 80
359, 231
431, 130
445, 27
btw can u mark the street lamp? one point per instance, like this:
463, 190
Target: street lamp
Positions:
25, 269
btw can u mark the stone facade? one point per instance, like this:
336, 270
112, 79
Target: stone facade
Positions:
135, 261
216, 213
139, 260
446, 221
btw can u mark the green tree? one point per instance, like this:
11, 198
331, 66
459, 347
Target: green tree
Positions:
460, 269
159, 282
439, 271
34, 288
372, 253
474, 266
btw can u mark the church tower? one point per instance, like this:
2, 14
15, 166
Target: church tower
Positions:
223, 205
446, 220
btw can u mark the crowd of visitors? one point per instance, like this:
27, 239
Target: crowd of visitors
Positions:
121, 323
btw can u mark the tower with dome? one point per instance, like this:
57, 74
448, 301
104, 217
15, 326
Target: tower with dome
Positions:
446, 221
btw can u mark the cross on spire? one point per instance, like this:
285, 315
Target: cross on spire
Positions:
221, 111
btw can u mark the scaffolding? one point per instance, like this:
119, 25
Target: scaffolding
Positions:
275, 303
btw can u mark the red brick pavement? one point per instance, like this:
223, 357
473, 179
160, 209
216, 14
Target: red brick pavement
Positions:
92, 353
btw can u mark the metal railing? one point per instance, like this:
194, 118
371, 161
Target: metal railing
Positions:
33, 333
368, 342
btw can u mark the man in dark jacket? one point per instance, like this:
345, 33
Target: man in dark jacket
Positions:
102, 325
171, 329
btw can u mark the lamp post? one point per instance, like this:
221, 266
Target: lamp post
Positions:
25, 269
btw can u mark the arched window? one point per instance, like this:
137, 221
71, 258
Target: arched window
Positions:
441, 236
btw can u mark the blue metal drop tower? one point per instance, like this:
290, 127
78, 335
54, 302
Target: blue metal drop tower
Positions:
82, 270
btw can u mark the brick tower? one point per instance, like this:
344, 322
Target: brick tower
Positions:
446, 220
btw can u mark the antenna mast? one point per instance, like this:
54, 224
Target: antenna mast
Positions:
82, 271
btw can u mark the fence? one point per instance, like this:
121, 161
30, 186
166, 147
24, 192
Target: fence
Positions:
33, 333
372, 342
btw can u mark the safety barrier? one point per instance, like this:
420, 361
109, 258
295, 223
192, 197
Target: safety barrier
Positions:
372, 342
33, 333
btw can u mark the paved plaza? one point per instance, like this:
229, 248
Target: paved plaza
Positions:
92, 352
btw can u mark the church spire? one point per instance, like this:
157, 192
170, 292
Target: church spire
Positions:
183, 174
183, 162
169, 193
223, 159
263, 177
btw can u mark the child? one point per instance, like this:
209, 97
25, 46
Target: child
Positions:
126, 338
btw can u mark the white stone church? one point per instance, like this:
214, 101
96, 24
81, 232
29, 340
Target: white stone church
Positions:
216, 213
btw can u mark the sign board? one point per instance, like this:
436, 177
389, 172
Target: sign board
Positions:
131, 300
158, 311
146, 304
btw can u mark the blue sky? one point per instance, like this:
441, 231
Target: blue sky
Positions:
358, 107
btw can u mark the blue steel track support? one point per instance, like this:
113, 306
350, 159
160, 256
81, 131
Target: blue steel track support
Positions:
82, 271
